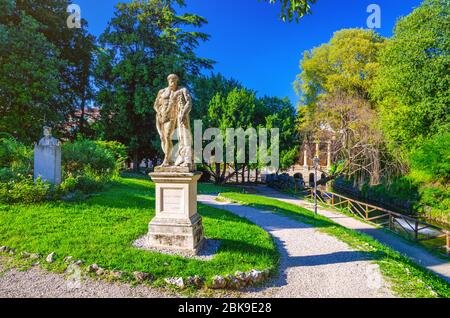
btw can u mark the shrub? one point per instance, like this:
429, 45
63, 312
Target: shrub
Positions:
87, 166
430, 171
435, 202
88, 157
118, 150
6, 174
90, 183
25, 191
399, 189
431, 161
399, 195
69, 184
15, 160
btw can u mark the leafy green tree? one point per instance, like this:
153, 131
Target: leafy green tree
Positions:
348, 63
235, 110
430, 162
75, 47
413, 84
16, 160
29, 77
294, 9
71, 49
430, 172
282, 116
82, 61
143, 43
240, 108
204, 88
334, 86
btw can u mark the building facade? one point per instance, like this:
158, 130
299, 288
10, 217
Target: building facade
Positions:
304, 168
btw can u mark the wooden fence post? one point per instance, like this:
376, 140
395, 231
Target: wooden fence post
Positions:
448, 242
391, 222
416, 230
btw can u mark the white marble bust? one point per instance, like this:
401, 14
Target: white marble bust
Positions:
48, 139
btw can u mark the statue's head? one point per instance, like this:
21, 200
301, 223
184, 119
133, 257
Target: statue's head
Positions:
173, 81
47, 131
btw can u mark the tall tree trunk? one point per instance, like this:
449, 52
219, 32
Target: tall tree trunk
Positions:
222, 176
83, 112
136, 163
218, 175
376, 167
86, 70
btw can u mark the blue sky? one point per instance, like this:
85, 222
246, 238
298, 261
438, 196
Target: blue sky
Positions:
250, 43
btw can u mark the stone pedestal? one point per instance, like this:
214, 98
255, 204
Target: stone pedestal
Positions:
47, 163
177, 225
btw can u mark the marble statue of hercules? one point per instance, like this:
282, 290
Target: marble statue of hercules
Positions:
172, 106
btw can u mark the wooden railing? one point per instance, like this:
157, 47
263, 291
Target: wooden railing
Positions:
413, 228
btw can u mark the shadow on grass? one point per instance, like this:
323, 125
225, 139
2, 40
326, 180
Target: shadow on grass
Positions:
125, 202
239, 246
123, 195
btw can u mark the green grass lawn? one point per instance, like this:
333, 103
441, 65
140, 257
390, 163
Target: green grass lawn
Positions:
102, 228
407, 279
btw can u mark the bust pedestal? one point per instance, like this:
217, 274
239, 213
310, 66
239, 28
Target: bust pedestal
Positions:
47, 163
177, 225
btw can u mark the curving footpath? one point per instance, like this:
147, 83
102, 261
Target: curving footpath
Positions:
313, 264
414, 252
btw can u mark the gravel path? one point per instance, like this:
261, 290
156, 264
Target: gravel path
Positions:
415, 253
37, 283
313, 264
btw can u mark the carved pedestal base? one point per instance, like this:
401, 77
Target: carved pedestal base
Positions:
177, 225
47, 164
